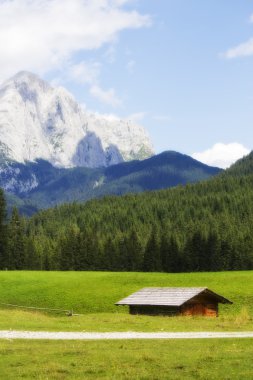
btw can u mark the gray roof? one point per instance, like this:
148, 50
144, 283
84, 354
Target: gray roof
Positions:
167, 296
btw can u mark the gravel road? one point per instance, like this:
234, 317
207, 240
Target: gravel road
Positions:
10, 334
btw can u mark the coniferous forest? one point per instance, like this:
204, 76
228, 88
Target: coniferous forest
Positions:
203, 227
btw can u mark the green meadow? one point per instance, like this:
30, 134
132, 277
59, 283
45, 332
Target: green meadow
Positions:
92, 295
216, 359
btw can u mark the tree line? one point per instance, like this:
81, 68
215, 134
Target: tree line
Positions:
202, 227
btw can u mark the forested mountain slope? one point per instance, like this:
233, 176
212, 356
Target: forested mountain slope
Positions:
200, 227
40, 185
242, 167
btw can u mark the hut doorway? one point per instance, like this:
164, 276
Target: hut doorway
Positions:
209, 310
198, 309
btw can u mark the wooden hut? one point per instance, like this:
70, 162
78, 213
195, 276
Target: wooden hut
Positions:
174, 301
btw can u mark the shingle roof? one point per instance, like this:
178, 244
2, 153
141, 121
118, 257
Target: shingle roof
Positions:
167, 296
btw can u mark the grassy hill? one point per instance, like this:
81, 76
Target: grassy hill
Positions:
97, 292
92, 296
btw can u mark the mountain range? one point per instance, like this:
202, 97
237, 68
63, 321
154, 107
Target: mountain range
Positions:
53, 151
39, 184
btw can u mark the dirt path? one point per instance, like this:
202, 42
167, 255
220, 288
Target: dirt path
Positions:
119, 335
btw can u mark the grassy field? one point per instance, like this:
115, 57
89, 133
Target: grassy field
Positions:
171, 360
93, 295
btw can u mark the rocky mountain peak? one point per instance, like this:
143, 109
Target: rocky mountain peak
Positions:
38, 121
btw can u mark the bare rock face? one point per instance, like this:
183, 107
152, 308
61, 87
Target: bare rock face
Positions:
38, 121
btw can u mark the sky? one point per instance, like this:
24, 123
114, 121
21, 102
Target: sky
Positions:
181, 68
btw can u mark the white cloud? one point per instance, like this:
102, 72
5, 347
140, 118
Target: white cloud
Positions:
243, 50
84, 72
222, 155
89, 73
44, 35
108, 116
108, 97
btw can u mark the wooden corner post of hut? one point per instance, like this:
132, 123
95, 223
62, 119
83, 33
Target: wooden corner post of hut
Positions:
174, 301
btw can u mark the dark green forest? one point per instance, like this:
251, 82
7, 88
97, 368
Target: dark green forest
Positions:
202, 227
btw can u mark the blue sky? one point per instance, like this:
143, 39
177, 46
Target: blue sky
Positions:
181, 68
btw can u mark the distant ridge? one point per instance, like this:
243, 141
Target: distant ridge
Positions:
40, 185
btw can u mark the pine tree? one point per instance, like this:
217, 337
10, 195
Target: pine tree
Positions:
32, 261
194, 252
165, 252
16, 241
152, 257
3, 233
134, 252
212, 252
172, 261
111, 255
125, 253
69, 252
225, 255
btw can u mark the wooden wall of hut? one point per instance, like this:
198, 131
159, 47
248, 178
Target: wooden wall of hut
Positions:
208, 310
154, 310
